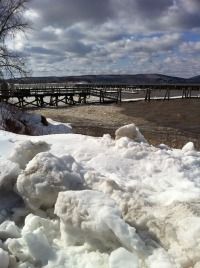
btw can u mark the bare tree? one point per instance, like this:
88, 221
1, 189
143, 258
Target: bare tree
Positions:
11, 22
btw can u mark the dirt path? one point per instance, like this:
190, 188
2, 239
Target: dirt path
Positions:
173, 123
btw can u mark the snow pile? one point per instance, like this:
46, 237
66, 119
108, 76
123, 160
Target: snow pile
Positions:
14, 120
98, 202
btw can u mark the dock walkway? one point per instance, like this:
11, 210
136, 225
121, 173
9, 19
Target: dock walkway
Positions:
54, 94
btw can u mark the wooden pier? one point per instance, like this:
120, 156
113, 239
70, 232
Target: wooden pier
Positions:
54, 94
43, 95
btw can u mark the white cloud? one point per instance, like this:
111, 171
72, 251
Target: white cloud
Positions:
114, 36
31, 14
190, 47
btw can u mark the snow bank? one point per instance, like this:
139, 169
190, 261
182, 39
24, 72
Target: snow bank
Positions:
118, 203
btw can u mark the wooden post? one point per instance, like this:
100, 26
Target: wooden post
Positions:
79, 98
84, 98
41, 101
149, 97
167, 94
190, 92
120, 94
103, 96
146, 95
100, 96
51, 101
183, 93
37, 101
56, 101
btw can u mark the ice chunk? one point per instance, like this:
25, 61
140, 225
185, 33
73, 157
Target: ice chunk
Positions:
121, 258
41, 245
131, 132
38, 246
9, 229
33, 247
188, 147
18, 248
45, 176
35, 244
9, 172
93, 217
25, 151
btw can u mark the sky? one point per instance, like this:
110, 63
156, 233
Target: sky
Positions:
78, 37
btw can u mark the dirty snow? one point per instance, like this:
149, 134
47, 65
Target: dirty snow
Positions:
76, 201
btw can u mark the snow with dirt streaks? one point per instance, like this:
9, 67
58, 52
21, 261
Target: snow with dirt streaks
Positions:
77, 201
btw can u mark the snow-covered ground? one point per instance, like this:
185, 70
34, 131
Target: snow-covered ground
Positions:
97, 202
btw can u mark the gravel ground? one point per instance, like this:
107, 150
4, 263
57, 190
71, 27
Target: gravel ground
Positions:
172, 122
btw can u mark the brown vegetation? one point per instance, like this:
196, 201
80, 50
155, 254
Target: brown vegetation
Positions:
173, 122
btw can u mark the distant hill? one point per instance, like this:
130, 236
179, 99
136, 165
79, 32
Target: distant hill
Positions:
112, 79
131, 79
194, 80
